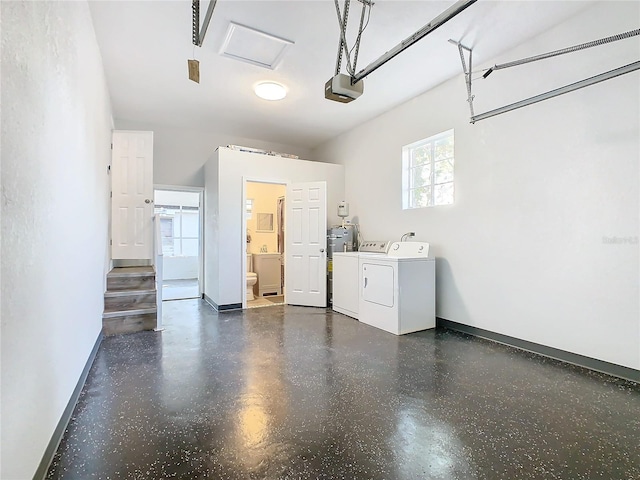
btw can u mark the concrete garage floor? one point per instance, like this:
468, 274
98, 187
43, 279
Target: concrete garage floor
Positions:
180, 289
303, 393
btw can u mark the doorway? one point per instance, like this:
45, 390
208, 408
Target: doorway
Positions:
179, 210
265, 243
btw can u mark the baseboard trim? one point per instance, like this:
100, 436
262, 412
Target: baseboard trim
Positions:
612, 369
207, 299
222, 308
58, 433
229, 307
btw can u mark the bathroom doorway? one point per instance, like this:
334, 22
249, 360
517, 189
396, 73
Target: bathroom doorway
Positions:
265, 243
179, 210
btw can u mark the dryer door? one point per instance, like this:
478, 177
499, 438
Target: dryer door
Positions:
378, 284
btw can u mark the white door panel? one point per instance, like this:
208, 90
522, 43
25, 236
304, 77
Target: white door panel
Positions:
306, 257
378, 284
132, 195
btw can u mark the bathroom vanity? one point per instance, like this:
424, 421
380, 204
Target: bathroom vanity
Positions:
268, 267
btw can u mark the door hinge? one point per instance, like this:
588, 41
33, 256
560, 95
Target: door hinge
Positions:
110, 194
111, 145
110, 242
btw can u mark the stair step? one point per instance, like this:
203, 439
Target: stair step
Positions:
140, 310
129, 323
129, 293
130, 282
129, 300
131, 272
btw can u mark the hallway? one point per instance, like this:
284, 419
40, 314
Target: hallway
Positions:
301, 393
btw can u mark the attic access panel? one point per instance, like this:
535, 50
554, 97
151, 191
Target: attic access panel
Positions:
252, 46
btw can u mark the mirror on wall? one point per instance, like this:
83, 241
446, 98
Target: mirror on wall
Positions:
264, 222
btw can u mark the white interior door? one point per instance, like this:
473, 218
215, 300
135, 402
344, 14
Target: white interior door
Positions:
132, 195
306, 244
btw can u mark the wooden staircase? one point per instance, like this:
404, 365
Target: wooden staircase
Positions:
130, 300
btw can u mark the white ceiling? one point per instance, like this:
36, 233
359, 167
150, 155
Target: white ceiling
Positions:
145, 46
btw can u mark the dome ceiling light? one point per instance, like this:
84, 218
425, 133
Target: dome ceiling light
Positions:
270, 90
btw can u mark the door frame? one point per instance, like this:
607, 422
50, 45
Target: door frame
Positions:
200, 191
243, 233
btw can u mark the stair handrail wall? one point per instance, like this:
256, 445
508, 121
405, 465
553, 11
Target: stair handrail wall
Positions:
157, 262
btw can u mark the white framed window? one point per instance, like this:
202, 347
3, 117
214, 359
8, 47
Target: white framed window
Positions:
179, 228
427, 172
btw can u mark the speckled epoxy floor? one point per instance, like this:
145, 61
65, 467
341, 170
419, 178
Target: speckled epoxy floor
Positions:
301, 393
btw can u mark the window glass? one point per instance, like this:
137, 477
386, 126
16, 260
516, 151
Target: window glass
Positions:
179, 229
190, 224
428, 172
190, 247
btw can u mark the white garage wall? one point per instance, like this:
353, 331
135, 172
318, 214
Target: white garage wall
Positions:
224, 246
179, 155
56, 134
540, 192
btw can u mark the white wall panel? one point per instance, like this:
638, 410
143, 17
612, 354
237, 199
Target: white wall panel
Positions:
56, 136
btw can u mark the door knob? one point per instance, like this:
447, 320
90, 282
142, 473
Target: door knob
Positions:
321, 250
146, 200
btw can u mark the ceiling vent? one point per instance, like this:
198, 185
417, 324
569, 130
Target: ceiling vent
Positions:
253, 46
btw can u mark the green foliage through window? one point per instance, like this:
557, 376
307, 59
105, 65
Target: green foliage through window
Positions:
427, 168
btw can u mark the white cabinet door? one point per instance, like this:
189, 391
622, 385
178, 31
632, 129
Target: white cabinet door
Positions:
132, 195
306, 244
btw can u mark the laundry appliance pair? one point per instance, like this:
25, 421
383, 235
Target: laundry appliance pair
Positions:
387, 285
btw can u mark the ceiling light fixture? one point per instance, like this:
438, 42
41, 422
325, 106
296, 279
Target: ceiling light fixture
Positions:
270, 90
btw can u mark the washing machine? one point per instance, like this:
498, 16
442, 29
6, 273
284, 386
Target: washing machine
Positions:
397, 290
346, 267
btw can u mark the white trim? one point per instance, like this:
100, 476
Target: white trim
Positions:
177, 188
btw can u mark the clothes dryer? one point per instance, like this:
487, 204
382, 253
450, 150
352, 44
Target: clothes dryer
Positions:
397, 290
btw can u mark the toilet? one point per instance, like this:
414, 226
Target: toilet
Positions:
252, 278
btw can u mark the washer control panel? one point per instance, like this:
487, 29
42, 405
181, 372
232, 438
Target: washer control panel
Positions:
409, 249
375, 246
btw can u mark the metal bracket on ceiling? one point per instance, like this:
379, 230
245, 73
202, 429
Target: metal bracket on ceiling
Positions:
197, 33
342, 44
552, 93
467, 73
